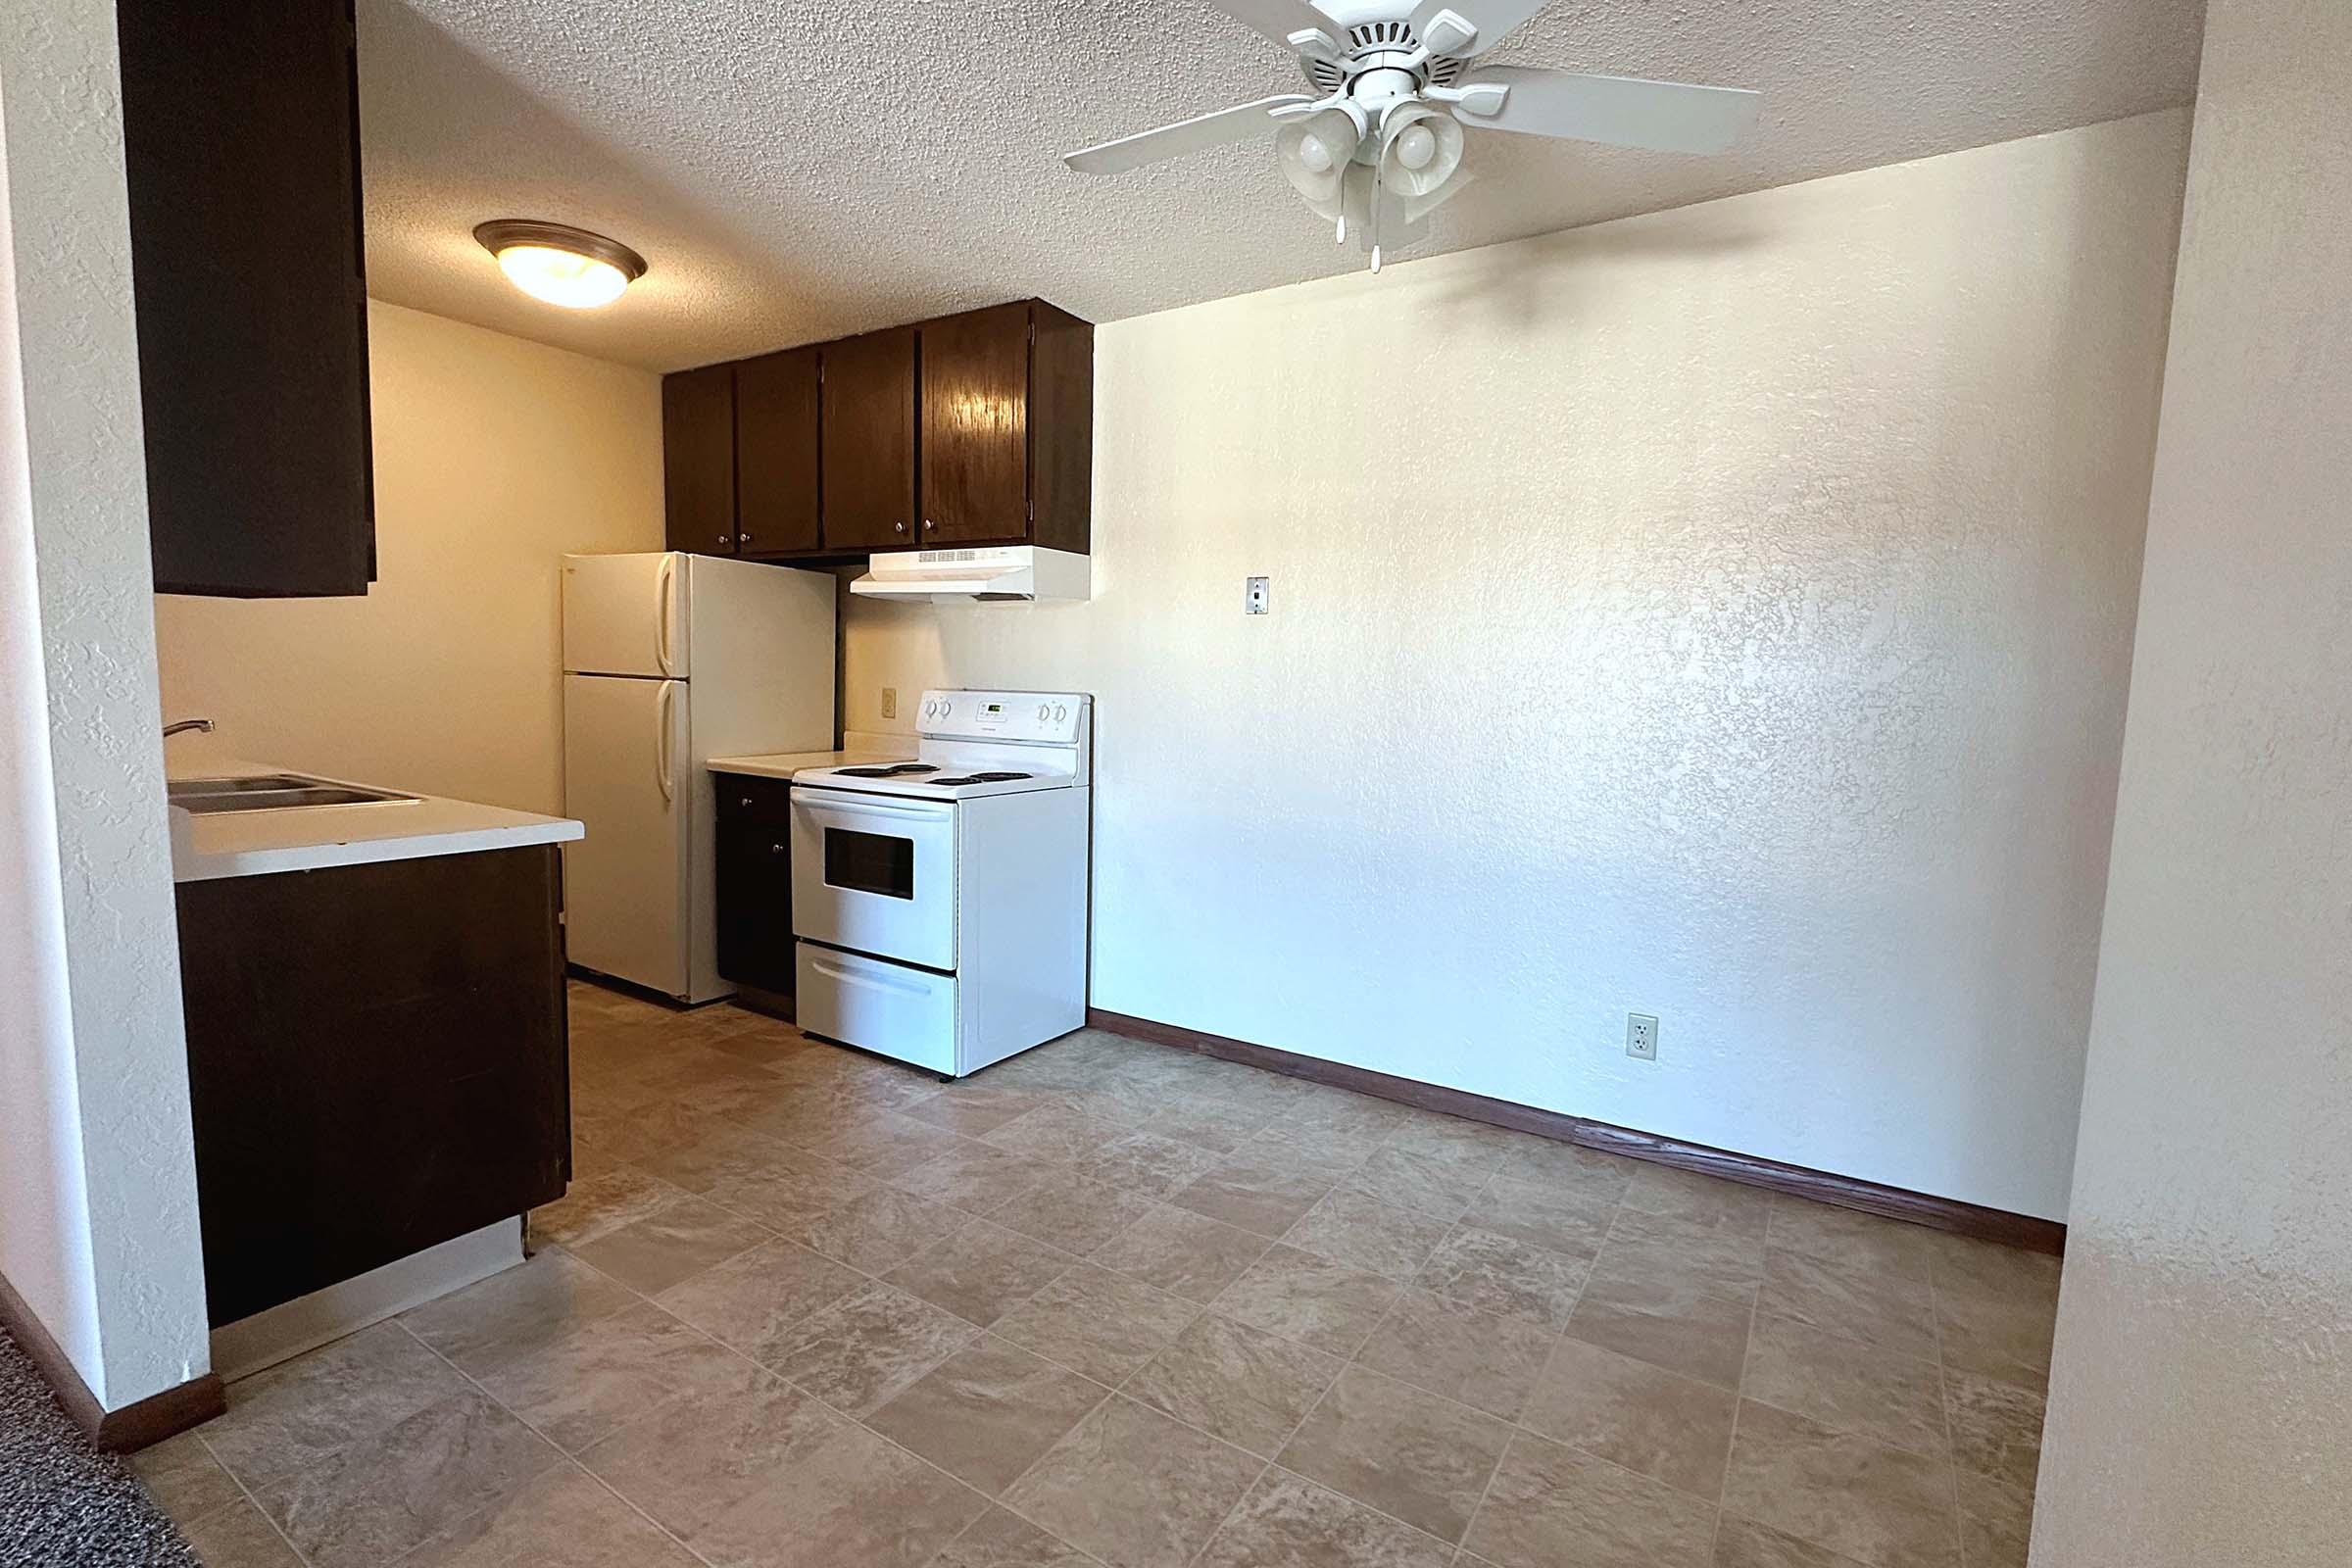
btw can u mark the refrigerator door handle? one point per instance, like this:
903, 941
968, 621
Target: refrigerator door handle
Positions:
663, 579
663, 744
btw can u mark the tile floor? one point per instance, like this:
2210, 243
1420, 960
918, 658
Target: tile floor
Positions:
1112, 1304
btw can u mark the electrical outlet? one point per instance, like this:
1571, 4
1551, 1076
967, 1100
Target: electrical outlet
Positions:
890, 701
1642, 1036
1253, 596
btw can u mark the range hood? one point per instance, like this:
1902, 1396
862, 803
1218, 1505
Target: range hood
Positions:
1005, 572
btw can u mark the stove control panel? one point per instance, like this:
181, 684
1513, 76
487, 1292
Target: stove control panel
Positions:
1047, 717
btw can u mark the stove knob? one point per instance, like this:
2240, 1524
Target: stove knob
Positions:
1044, 711
1059, 712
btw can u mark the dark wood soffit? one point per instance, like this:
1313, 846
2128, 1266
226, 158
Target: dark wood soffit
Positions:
1895, 1202
135, 1426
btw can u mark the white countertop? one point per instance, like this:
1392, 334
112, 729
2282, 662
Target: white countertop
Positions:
308, 838
862, 751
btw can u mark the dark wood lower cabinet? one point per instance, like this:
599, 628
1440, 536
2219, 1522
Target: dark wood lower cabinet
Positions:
754, 881
376, 1064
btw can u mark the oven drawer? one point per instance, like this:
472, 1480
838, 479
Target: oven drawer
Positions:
885, 1008
875, 873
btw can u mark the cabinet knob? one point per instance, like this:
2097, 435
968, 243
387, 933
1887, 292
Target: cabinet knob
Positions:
775, 848
743, 538
743, 800
724, 541
928, 524
897, 527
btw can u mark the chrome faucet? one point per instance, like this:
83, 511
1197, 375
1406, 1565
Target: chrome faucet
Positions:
202, 726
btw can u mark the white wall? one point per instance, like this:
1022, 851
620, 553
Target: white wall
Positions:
97, 1170
2201, 1395
493, 457
1723, 613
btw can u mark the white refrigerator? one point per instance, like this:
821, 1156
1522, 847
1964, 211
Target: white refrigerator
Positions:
671, 660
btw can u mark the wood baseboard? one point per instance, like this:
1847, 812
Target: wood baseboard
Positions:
1895, 1202
132, 1427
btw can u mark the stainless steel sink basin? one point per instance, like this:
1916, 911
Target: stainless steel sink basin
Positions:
272, 792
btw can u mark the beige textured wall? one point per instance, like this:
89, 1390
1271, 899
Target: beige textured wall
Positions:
493, 457
1723, 613
2201, 1399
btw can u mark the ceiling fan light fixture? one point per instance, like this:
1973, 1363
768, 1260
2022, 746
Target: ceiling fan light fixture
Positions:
561, 264
1420, 149
1314, 151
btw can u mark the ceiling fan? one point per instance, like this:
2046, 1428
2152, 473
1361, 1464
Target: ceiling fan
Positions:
1377, 145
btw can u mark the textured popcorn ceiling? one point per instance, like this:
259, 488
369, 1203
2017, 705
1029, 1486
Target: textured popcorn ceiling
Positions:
795, 172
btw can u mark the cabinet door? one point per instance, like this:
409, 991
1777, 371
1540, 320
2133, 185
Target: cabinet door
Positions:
241, 150
976, 427
776, 453
868, 441
754, 883
698, 459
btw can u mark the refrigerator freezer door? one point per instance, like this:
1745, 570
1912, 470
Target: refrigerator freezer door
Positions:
627, 616
626, 777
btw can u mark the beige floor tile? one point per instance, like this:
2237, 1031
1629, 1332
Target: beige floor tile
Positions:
1146, 1162
1254, 1195
1745, 1543
853, 1499
1850, 1238
1996, 1427
689, 1461
1996, 1522
1550, 1162
1550, 1505
673, 1244
1399, 1449
1481, 1360
599, 1201
381, 1495
238, 1536
1453, 1140
1490, 1273
1216, 1124
1674, 1250
1134, 1487
521, 1309
1289, 1521
794, 1188
1561, 1219
1846, 1384
981, 1272
1298, 1148
1886, 1506
1696, 1199
1308, 1299
1235, 1381
726, 1152
883, 1143
1102, 1324
1658, 1423
1074, 1215
755, 1302
1055, 1132
1424, 1183
1891, 1311
1348, 1227
299, 1413
634, 1133
1000, 1539
1184, 1253
1680, 1329
974, 1109
987, 1412
1996, 1310
590, 1383
562, 1518
974, 1177
862, 1349
879, 1231
1343, 1110
183, 1478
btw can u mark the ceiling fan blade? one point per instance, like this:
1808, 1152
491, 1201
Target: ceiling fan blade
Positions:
1278, 20
1493, 20
1202, 132
1671, 117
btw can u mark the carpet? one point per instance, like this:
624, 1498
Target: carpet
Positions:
63, 1502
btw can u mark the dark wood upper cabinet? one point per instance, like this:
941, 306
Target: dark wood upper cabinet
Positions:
242, 153
975, 403
777, 475
869, 428
698, 459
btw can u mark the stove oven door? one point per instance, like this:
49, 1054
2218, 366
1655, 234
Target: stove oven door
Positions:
875, 873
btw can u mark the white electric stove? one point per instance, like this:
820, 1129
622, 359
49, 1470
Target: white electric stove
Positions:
939, 905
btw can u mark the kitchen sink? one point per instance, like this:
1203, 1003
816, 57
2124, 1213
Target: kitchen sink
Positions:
272, 792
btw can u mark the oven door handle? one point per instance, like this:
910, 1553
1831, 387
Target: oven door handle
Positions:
926, 812
871, 981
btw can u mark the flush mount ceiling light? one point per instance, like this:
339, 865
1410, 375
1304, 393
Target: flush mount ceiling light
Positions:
1377, 145
559, 263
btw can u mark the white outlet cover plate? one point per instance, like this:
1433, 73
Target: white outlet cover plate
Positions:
1255, 595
